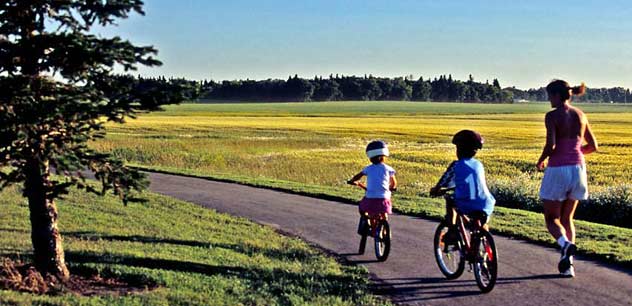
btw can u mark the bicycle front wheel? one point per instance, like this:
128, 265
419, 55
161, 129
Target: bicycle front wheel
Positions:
486, 262
448, 255
382, 241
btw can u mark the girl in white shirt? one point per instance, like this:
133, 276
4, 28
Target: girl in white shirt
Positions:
380, 181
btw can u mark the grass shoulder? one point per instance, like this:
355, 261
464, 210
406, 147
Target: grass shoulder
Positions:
195, 256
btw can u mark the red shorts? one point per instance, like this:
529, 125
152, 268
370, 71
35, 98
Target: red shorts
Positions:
376, 206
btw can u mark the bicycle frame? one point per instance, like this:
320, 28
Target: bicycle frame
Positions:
375, 220
468, 235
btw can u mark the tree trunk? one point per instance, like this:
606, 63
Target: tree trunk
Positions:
48, 252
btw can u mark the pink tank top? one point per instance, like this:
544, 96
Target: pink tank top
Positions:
567, 152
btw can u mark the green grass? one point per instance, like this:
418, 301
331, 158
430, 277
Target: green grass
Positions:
363, 108
195, 255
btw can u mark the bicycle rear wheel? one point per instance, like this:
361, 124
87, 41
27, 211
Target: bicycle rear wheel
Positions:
448, 256
486, 262
382, 241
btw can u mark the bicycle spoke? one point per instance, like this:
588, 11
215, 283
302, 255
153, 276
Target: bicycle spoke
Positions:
486, 262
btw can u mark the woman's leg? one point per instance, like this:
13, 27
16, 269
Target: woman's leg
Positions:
566, 218
552, 213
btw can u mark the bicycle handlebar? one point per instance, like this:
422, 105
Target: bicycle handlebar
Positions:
363, 185
356, 183
441, 191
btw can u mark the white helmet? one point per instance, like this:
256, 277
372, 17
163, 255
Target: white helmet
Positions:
376, 148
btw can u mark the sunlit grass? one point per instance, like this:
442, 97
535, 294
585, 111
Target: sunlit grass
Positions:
195, 255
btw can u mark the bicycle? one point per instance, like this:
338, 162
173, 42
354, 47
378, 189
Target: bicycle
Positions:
377, 226
475, 245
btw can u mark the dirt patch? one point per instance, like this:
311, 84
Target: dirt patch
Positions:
24, 277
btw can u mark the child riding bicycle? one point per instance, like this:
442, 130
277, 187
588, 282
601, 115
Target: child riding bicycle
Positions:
379, 183
467, 176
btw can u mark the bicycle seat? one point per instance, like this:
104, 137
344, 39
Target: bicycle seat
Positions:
477, 215
379, 216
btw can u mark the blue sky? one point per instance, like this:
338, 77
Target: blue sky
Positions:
522, 43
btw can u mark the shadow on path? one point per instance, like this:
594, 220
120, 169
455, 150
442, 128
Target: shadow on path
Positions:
408, 290
250, 250
276, 281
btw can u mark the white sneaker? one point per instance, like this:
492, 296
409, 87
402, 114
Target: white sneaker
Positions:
568, 251
570, 272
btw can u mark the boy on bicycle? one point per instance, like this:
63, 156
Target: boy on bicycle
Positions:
467, 176
380, 182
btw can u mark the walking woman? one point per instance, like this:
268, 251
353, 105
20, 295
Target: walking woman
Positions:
568, 139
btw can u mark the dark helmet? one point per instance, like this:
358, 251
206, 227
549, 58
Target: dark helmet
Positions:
376, 148
468, 139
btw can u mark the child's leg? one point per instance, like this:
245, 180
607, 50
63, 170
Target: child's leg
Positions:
450, 213
362, 223
452, 235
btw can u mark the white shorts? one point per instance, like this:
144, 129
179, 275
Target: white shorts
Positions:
564, 182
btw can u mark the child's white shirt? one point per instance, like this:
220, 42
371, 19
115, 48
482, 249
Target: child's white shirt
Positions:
378, 181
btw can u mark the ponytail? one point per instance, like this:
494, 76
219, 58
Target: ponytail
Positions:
564, 90
579, 90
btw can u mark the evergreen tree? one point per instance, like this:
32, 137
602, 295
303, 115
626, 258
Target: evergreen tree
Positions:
386, 85
298, 89
421, 90
327, 90
400, 90
57, 93
371, 88
351, 88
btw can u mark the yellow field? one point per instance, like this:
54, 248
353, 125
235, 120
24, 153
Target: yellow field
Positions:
328, 150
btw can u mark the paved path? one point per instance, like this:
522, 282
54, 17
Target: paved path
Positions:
527, 273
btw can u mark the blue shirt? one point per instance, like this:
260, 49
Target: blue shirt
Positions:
467, 177
378, 178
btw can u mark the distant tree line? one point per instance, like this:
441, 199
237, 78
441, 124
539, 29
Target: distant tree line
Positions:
188, 88
594, 95
370, 88
367, 88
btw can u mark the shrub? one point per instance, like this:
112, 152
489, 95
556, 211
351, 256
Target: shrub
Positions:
611, 205
518, 192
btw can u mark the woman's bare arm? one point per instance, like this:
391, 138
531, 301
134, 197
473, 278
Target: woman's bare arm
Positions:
591, 143
550, 140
